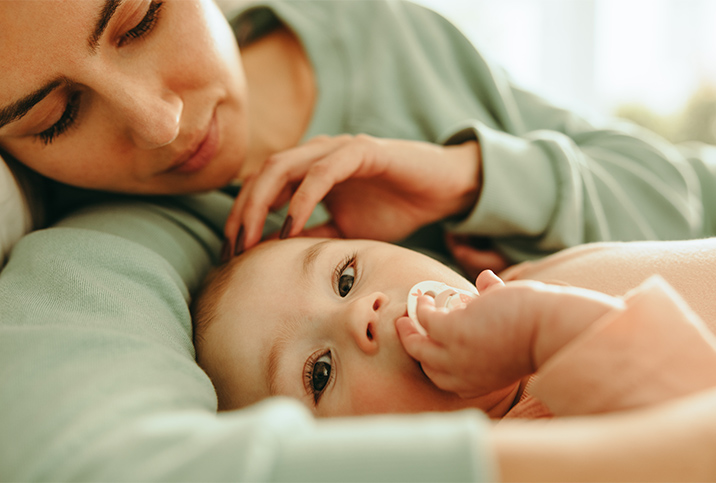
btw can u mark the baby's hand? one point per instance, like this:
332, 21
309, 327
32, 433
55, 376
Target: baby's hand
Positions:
476, 349
501, 336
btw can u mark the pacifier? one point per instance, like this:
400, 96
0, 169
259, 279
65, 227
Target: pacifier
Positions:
445, 297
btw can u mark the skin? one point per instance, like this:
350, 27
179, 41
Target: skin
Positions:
145, 102
505, 335
667, 442
137, 105
367, 359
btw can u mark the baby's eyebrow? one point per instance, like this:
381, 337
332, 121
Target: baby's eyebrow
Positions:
277, 347
285, 335
311, 254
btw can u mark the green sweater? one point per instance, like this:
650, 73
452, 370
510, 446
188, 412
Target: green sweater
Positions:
552, 179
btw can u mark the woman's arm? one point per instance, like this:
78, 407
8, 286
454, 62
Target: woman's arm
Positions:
549, 177
674, 441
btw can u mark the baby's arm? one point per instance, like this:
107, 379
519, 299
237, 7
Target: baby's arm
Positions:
506, 333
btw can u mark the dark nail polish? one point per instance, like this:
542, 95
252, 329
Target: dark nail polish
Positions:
239, 246
225, 251
286, 228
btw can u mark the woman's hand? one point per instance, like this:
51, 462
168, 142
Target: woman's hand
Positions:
501, 336
474, 254
374, 188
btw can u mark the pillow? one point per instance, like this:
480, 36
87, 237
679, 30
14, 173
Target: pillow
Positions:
15, 214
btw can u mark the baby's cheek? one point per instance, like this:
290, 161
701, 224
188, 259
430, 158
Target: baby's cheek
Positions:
389, 392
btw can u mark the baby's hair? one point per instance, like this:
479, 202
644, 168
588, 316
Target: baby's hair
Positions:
207, 308
204, 308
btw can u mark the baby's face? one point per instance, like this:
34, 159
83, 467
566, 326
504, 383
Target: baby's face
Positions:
314, 319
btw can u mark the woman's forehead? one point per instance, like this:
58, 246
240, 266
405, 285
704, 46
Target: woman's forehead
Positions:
38, 39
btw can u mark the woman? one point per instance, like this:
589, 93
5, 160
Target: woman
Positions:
153, 98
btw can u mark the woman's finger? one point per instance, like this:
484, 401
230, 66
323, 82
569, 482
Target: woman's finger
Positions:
277, 175
326, 230
472, 259
244, 226
320, 179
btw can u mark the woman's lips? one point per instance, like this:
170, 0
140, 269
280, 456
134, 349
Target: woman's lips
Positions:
203, 154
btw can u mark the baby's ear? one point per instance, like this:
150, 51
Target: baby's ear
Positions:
486, 280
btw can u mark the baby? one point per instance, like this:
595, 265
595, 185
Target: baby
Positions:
326, 321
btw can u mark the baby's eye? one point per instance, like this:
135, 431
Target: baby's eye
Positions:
345, 280
320, 374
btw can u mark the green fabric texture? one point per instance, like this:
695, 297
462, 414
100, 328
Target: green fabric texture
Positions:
552, 179
99, 381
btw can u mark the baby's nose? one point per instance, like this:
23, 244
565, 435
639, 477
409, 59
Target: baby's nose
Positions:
366, 321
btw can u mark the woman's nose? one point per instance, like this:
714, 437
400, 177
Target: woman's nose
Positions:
365, 319
152, 114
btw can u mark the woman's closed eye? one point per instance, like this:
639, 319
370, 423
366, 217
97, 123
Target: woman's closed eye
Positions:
317, 374
145, 26
69, 116
67, 120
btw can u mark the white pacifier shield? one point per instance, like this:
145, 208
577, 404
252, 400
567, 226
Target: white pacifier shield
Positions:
445, 296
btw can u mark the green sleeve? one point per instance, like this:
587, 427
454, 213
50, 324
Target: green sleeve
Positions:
553, 179
99, 380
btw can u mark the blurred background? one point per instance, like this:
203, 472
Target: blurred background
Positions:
651, 61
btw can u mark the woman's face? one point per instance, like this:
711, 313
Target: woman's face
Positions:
133, 96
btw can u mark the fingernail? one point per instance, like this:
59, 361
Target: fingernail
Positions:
239, 246
225, 251
286, 228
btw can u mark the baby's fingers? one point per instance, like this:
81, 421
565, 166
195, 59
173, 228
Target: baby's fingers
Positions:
421, 348
447, 381
438, 323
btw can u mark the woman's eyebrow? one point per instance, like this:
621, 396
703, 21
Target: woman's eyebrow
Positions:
16, 110
110, 6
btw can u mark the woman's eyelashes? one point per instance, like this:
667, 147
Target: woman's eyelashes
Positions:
66, 121
145, 26
317, 374
69, 115
344, 276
